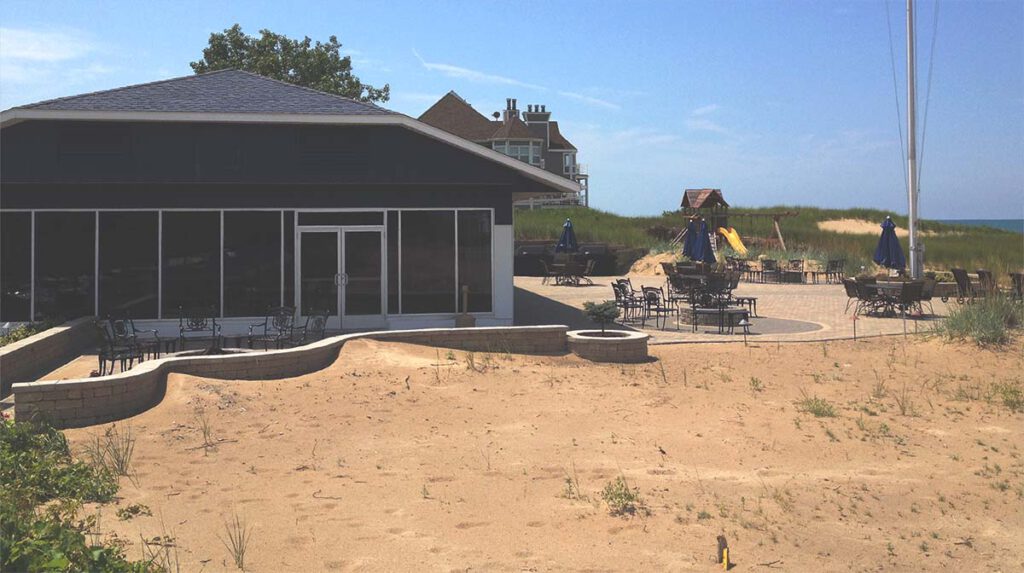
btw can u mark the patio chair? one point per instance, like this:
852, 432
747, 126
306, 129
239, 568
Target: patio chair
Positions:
748, 273
770, 271
629, 288
851, 295
124, 332
312, 331
112, 352
548, 273
835, 271
277, 328
588, 271
1017, 286
965, 290
632, 307
198, 325
909, 297
794, 272
927, 292
657, 307
987, 282
869, 300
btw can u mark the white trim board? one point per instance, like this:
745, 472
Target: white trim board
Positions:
17, 115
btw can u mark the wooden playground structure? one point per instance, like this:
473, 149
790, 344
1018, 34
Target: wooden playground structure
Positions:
710, 205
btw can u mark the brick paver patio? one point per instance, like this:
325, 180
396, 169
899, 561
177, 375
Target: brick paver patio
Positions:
790, 312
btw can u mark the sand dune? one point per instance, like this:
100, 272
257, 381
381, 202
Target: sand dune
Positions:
407, 458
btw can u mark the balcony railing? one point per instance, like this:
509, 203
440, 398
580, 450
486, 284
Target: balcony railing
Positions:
577, 169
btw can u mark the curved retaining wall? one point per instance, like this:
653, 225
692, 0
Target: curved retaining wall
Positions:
88, 401
626, 347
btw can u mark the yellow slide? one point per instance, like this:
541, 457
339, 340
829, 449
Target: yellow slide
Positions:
733, 237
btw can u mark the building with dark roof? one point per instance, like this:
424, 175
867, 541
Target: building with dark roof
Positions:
532, 138
234, 192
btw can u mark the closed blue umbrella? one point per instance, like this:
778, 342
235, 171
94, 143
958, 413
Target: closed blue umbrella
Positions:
889, 253
702, 250
690, 239
567, 242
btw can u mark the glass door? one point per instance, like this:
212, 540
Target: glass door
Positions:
363, 278
320, 274
341, 273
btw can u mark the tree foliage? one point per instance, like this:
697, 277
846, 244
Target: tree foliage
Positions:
601, 313
319, 66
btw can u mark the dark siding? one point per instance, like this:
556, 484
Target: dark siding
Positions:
242, 196
56, 152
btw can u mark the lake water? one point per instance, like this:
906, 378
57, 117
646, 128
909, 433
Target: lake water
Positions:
1015, 225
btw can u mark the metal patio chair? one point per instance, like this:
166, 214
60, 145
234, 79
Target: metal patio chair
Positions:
112, 352
276, 329
198, 325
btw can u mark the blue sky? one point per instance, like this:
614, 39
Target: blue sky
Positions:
773, 102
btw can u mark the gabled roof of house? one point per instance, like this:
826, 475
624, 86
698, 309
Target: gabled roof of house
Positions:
233, 96
558, 141
703, 198
454, 115
222, 91
512, 129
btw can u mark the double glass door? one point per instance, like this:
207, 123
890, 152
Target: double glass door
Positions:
341, 273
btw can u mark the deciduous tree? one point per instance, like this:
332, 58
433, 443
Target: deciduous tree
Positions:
301, 62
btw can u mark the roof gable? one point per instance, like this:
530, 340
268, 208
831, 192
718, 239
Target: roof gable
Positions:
452, 114
223, 91
703, 198
513, 129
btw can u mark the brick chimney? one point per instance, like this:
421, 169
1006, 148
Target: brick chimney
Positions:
510, 110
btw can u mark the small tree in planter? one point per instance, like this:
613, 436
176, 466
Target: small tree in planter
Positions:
601, 313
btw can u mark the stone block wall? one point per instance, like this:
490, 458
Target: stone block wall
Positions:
40, 353
84, 402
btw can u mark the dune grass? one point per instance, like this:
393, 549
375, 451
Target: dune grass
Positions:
953, 246
988, 321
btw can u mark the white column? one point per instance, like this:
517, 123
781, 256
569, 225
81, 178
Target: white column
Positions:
504, 291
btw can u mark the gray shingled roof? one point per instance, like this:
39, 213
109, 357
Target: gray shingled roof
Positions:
224, 91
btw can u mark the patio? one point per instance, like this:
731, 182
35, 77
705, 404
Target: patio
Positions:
786, 312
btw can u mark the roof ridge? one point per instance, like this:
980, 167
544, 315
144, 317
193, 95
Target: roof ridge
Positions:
120, 89
309, 89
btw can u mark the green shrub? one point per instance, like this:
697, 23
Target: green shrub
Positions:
24, 331
818, 407
601, 313
987, 321
43, 489
621, 499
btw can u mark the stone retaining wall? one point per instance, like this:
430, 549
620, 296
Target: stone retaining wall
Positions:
625, 347
30, 358
88, 401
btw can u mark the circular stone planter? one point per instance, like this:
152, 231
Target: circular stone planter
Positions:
613, 346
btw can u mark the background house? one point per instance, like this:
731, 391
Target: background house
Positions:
530, 137
234, 192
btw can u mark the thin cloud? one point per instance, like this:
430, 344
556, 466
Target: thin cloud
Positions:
24, 45
481, 77
477, 76
705, 125
590, 100
705, 110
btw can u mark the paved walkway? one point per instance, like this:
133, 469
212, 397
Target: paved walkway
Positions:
788, 312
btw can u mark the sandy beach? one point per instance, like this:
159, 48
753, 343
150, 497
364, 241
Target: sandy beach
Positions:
403, 457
